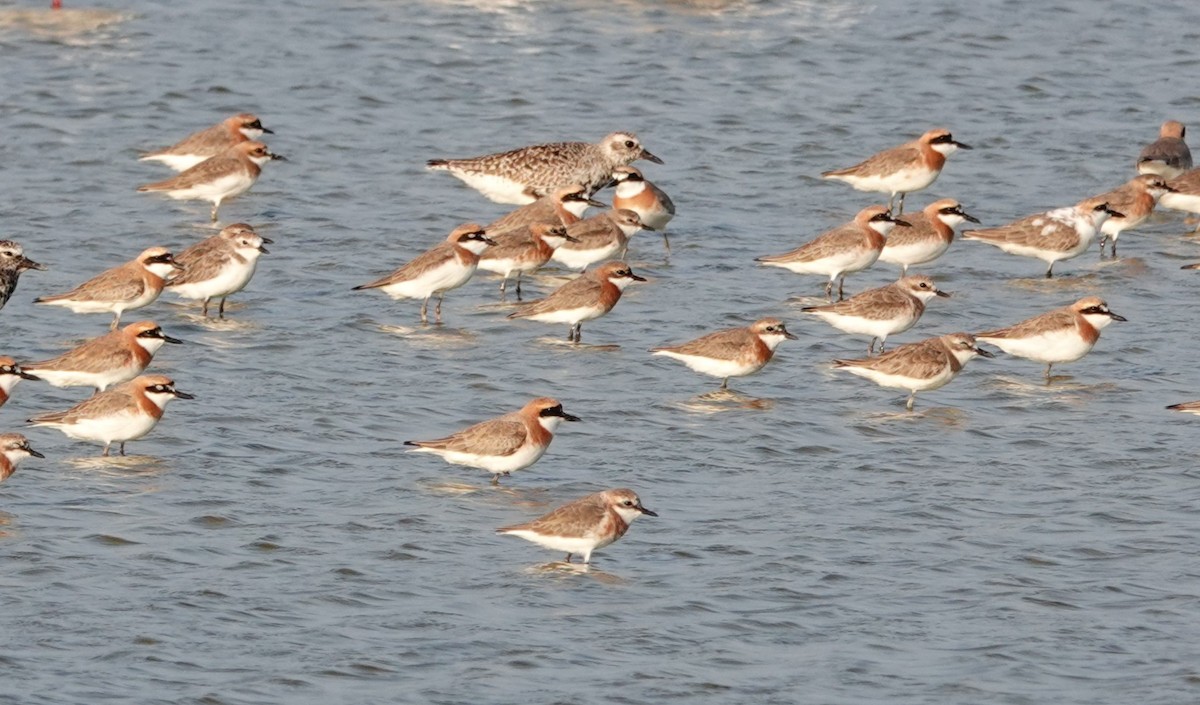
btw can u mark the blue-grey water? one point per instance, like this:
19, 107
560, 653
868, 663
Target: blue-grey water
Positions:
271, 541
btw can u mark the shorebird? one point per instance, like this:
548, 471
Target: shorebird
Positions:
1168, 156
599, 238
231, 173
209, 142
115, 357
734, 352
929, 236
585, 525
219, 266
848, 248
10, 374
504, 444
121, 414
1134, 200
584, 298
526, 174
917, 367
901, 170
135, 284
13, 449
1053, 236
651, 203
880, 312
564, 206
12, 262
447, 266
1184, 194
525, 256
1062, 335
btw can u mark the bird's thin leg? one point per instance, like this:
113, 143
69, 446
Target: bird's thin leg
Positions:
204, 307
221, 308
122, 448
891, 202
1048, 366
115, 322
871, 346
518, 285
1050, 271
215, 208
841, 287
424, 308
725, 383
105, 453
911, 399
503, 285
1114, 247
901, 211
667, 244
903, 271
496, 480
829, 291
569, 557
437, 311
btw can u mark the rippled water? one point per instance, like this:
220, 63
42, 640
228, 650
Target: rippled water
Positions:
271, 542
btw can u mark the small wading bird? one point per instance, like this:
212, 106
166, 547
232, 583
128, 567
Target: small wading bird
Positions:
912, 166
917, 367
443, 268
734, 352
1062, 335
585, 525
526, 174
504, 444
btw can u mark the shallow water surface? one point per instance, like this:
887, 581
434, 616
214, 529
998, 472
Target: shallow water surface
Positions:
1008, 542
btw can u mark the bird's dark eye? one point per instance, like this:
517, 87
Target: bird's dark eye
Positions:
923, 285
628, 503
629, 144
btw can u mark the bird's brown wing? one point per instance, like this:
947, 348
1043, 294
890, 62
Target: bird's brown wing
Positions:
576, 517
499, 436
415, 268
1046, 322
114, 285
205, 171
201, 261
114, 401
96, 355
581, 291
921, 360
722, 345
840, 239
884, 163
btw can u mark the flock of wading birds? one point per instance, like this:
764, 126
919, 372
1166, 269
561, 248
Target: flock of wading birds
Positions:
555, 184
